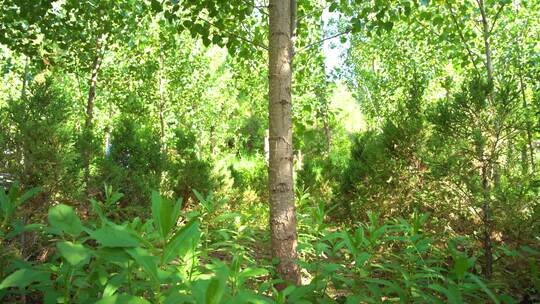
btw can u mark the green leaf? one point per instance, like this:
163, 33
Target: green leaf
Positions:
27, 195
452, 295
460, 266
250, 273
146, 261
247, 296
390, 285
165, 214
529, 250
75, 254
183, 241
96, 206
65, 219
156, 6
215, 291
485, 288
113, 235
122, 299
388, 26
114, 255
535, 275
19, 227
114, 284
24, 277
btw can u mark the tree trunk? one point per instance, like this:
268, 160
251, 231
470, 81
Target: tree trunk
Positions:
280, 172
486, 210
90, 113
486, 162
487, 45
326, 124
528, 126
161, 100
25, 79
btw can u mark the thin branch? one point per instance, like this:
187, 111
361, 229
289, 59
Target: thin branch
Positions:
301, 17
234, 35
432, 31
260, 8
496, 18
471, 57
323, 40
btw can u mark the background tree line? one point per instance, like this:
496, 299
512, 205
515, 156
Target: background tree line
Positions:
407, 173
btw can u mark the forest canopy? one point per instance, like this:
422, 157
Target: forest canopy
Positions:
269, 151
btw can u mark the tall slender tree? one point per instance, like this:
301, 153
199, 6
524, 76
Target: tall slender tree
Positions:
280, 170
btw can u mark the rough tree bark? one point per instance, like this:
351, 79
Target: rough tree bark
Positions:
528, 126
161, 100
25, 79
280, 169
487, 44
96, 64
487, 162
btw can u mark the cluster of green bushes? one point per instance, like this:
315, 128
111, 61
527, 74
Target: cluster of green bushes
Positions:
40, 147
204, 256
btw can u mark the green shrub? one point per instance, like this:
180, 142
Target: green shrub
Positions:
135, 163
187, 169
38, 146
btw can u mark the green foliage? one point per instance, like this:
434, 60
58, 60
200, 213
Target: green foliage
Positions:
41, 138
189, 170
63, 219
10, 201
135, 162
158, 261
409, 122
250, 173
161, 263
414, 271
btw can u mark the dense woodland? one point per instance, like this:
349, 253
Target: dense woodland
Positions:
270, 151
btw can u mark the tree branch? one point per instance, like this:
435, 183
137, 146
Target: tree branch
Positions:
257, 7
497, 15
323, 40
301, 17
234, 35
471, 57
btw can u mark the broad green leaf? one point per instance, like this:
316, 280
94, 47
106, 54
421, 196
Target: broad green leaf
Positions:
19, 227
146, 261
27, 195
535, 275
114, 284
113, 235
390, 285
156, 6
461, 264
183, 241
114, 255
215, 291
247, 296
65, 219
165, 214
529, 250
24, 277
251, 273
362, 258
73, 253
122, 299
98, 210
485, 289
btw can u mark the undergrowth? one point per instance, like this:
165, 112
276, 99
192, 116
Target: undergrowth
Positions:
210, 255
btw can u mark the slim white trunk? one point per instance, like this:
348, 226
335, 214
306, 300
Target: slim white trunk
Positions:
280, 172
